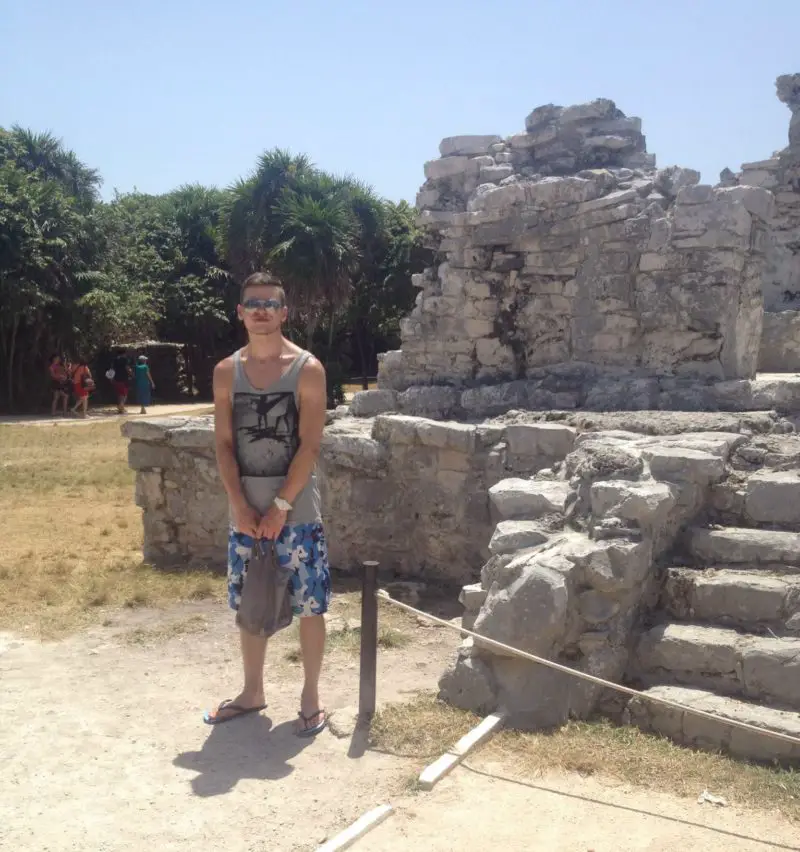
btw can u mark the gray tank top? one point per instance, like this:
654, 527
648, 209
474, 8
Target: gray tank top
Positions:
266, 437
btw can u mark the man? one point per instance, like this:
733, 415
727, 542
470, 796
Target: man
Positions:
270, 405
121, 379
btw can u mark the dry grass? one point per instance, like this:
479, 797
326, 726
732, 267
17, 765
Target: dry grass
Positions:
163, 632
71, 533
425, 728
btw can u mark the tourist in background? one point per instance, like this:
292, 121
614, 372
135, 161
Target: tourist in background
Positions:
59, 384
143, 382
82, 385
121, 379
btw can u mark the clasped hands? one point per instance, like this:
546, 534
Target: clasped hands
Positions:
250, 522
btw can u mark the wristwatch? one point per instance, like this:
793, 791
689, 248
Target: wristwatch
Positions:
283, 505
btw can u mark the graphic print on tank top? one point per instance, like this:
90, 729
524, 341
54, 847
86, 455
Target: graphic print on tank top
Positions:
266, 432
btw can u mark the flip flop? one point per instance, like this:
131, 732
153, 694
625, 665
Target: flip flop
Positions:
310, 732
227, 704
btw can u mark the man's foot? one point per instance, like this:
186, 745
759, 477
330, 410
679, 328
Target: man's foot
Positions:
232, 709
312, 723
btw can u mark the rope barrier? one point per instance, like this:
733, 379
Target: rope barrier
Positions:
516, 652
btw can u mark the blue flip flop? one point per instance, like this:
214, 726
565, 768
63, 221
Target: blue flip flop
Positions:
210, 718
310, 732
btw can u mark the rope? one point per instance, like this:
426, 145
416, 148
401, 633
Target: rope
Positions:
516, 652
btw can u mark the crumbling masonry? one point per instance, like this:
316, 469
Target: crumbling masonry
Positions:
575, 432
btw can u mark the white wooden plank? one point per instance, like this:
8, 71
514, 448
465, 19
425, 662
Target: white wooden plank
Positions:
345, 839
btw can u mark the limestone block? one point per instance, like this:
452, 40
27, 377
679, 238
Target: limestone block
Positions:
447, 435
434, 401
757, 201
773, 497
734, 545
511, 536
646, 503
780, 342
472, 597
193, 437
540, 439
597, 608
395, 428
447, 167
469, 146
613, 567
689, 649
527, 499
353, 450
681, 464
551, 191
530, 613
146, 456
153, 429
771, 670
371, 402
669, 181
149, 490
494, 174
469, 684
598, 108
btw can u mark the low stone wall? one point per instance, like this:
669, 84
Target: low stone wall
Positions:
409, 492
585, 387
780, 342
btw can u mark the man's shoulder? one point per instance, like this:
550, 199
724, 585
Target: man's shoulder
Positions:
312, 367
223, 371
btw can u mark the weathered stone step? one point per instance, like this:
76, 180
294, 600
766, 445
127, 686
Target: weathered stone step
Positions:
762, 668
739, 598
699, 732
773, 497
741, 544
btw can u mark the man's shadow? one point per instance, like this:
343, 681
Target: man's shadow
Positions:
248, 747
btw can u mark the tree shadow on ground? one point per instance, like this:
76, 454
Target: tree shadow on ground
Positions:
248, 747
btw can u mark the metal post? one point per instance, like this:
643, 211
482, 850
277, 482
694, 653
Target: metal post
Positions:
369, 641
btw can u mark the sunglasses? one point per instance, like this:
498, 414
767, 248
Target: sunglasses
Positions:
251, 305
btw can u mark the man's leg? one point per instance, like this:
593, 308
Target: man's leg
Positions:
312, 644
303, 548
254, 648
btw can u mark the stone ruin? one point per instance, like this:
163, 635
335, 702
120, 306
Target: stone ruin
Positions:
574, 433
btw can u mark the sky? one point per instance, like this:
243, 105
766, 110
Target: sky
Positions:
158, 94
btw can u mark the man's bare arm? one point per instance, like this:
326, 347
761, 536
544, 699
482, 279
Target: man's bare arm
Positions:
313, 395
223, 433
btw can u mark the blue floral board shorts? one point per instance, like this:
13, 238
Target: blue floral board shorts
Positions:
301, 547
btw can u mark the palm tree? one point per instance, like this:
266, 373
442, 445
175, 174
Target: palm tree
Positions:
251, 229
45, 153
318, 250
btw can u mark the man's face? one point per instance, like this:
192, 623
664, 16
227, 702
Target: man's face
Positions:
262, 311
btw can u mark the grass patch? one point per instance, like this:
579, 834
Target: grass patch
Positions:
160, 633
426, 728
72, 535
348, 640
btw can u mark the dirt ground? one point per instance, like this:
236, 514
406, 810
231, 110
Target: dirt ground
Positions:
104, 747
105, 413
567, 813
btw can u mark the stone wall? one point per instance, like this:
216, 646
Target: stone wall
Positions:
564, 245
780, 342
781, 175
409, 492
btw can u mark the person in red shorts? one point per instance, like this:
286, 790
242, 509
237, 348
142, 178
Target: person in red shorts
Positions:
82, 385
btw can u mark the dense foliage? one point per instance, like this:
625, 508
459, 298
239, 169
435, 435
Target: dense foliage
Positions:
78, 275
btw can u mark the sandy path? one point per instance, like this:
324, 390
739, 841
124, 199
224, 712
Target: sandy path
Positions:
568, 813
104, 747
108, 413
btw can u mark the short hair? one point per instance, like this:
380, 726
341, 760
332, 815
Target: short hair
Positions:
262, 279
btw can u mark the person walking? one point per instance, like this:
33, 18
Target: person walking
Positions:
143, 382
59, 384
120, 380
270, 406
82, 385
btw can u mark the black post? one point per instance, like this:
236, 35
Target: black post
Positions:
369, 641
